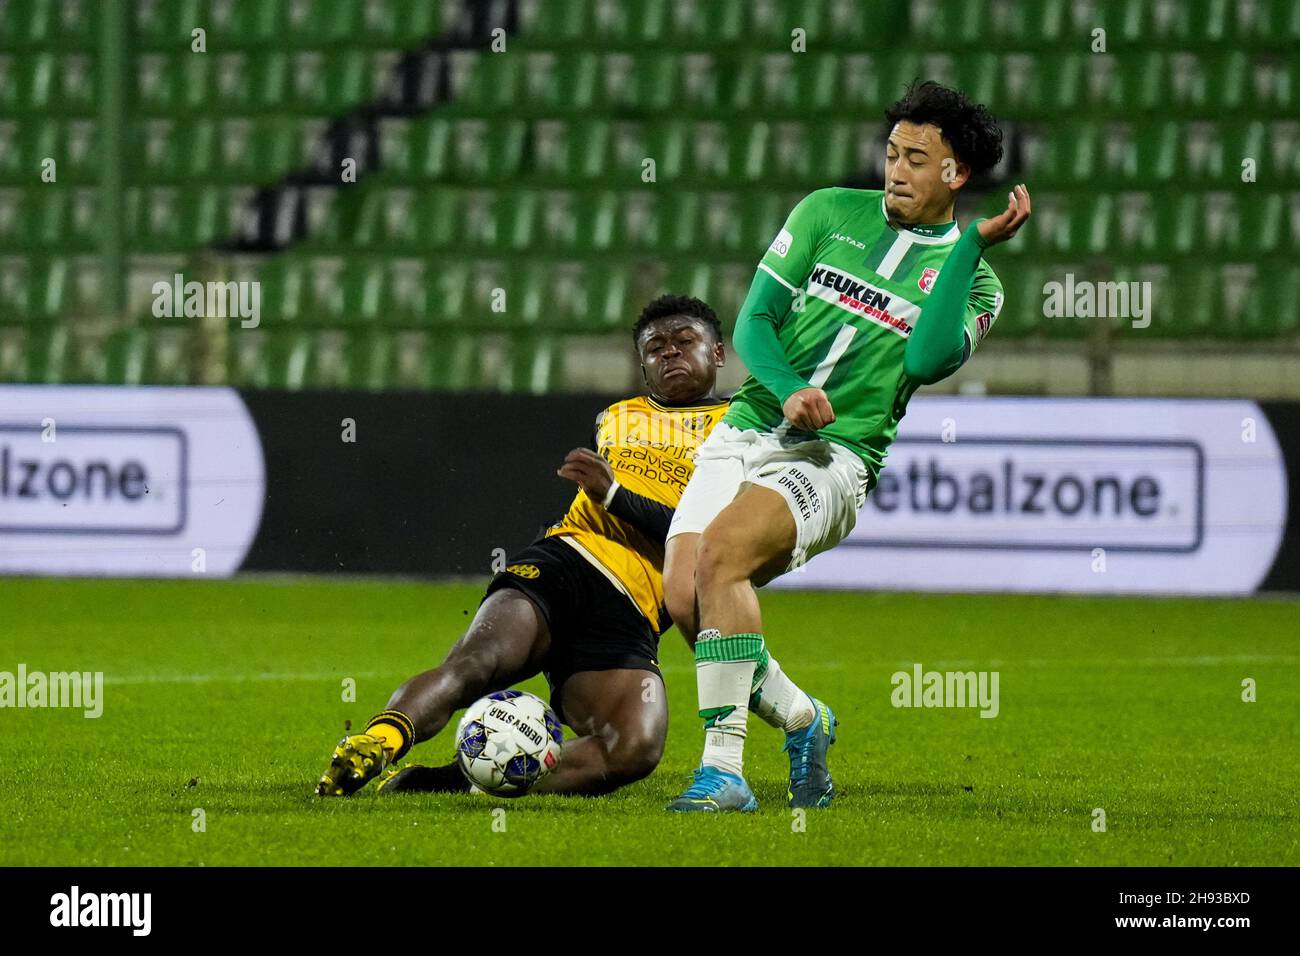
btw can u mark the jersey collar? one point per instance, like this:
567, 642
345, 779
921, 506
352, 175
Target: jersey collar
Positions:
936, 235
663, 407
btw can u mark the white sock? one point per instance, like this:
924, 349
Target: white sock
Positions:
724, 674
779, 701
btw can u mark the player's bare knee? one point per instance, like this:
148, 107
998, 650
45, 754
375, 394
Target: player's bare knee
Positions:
721, 561
467, 675
634, 756
679, 598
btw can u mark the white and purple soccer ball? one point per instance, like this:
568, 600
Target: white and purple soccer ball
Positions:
507, 741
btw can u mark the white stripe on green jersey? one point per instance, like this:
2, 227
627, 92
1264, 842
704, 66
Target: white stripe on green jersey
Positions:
863, 282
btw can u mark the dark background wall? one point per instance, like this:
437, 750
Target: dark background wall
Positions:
435, 481
431, 485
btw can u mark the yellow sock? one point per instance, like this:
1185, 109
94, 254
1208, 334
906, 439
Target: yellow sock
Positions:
395, 730
389, 734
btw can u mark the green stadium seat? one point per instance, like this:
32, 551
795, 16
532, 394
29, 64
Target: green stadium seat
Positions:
323, 290
318, 23
397, 147
574, 89
1262, 222
403, 293
1267, 23
456, 362
694, 278
1156, 158
1026, 23
231, 91
61, 24
165, 150
528, 178
50, 288
581, 150
48, 354
448, 293
14, 210
1125, 23
438, 217
202, 214
46, 217
156, 82
675, 226
1190, 305
944, 25
269, 358
1092, 227
637, 83
385, 218
153, 219
347, 81
233, 24
721, 228
13, 69
284, 287
411, 364
13, 352
1282, 299
362, 284
1245, 303
1177, 223
1226, 87
1022, 314
126, 353
696, 82
1076, 154
536, 364
14, 290
165, 24
403, 23
550, 25
69, 84
13, 154
329, 361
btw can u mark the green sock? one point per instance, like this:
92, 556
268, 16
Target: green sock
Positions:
724, 675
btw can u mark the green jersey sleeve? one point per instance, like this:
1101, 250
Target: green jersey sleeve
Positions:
756, 340
983, 305
790, 257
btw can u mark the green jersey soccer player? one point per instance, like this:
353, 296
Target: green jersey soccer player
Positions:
864, 296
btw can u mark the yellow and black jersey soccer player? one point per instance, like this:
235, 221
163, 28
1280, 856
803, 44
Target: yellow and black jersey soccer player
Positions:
584, 603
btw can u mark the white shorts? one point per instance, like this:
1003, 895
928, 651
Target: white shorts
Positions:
824, 484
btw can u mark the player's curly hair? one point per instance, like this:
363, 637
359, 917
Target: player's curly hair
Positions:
969, 128
670, 305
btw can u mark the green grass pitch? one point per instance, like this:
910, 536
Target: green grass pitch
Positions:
1132, 706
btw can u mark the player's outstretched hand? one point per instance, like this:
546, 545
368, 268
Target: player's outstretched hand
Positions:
589, 470
1003, 227
809, 409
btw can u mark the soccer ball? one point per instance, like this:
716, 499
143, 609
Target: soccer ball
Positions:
507, 741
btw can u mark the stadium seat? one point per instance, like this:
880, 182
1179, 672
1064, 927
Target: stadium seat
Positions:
524, 172
47, 354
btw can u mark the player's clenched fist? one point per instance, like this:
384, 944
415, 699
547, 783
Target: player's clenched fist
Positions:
589, 470
809, 409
